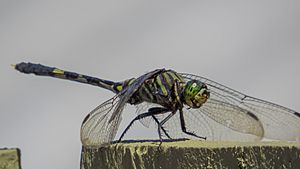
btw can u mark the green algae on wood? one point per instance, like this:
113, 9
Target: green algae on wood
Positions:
193, 154
10, 159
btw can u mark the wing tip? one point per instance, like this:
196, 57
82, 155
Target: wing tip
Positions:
297, 114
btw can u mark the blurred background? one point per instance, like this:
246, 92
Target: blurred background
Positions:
253, 47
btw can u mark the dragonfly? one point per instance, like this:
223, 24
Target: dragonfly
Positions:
182, 105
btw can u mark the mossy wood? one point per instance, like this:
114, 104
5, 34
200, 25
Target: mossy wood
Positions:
193, 154
10, 159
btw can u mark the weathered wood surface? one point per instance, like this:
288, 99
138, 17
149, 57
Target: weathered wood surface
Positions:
10, 159
193, 154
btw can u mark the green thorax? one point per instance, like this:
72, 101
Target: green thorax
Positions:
159, 89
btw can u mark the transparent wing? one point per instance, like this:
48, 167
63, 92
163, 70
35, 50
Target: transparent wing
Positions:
210, 121
97, 128
235, 119
278, 122
100, 126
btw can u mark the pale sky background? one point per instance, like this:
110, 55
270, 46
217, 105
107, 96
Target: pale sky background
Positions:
253, 47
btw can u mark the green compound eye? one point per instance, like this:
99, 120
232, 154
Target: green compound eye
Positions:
192, 88
195, 93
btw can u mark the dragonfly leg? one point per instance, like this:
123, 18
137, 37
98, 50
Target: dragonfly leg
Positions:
161, 124
183, 128
162, 128
151, 112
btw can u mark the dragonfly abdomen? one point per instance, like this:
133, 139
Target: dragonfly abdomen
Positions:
42, 70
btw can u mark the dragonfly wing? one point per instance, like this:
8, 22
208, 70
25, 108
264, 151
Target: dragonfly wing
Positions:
100, 126
234, 118
97, 128
129, 91
278, 122
217, 121
133, 88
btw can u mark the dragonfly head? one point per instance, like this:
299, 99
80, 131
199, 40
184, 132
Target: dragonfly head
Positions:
195, 93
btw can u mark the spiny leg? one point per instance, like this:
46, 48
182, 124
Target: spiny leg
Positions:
183, 128
151, 112
162, 123
162, 128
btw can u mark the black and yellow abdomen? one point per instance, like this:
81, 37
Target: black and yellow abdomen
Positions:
42, 70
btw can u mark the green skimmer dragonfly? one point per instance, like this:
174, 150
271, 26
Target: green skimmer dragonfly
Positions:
182, 105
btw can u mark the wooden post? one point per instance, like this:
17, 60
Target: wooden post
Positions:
10, 158
193, 154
